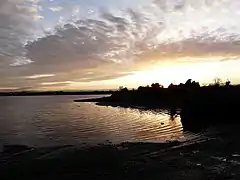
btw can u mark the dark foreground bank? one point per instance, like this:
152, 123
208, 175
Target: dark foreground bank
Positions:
209, 158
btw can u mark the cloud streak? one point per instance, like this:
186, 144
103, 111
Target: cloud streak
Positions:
38, 76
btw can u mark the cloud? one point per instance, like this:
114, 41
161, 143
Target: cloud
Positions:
89, 43
124, 38
38, 76
56, 8
111, 42
55, 83
16, 28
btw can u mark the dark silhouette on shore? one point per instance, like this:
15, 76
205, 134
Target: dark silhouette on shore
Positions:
201, 107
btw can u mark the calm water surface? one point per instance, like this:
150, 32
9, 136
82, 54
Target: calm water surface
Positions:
57, 120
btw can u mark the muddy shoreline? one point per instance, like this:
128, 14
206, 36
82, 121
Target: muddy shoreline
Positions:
215, 157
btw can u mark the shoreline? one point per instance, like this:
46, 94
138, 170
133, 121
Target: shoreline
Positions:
212, 158
201, 107
107, 101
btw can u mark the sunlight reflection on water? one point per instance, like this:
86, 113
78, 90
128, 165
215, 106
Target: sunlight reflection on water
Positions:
57, 120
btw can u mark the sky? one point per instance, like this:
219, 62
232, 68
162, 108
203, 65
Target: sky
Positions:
104, 44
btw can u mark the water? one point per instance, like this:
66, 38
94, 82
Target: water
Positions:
57, 120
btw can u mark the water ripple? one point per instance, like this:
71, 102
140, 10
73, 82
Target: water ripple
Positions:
57, 120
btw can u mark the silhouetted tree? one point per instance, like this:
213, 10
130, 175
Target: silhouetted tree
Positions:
228, 83
140, 88
188, 82
217, 82
195, 84
120, 88
171, 86
156, 86
124, 90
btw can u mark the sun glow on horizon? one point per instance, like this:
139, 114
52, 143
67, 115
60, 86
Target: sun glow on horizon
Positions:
204, 72
165, 74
